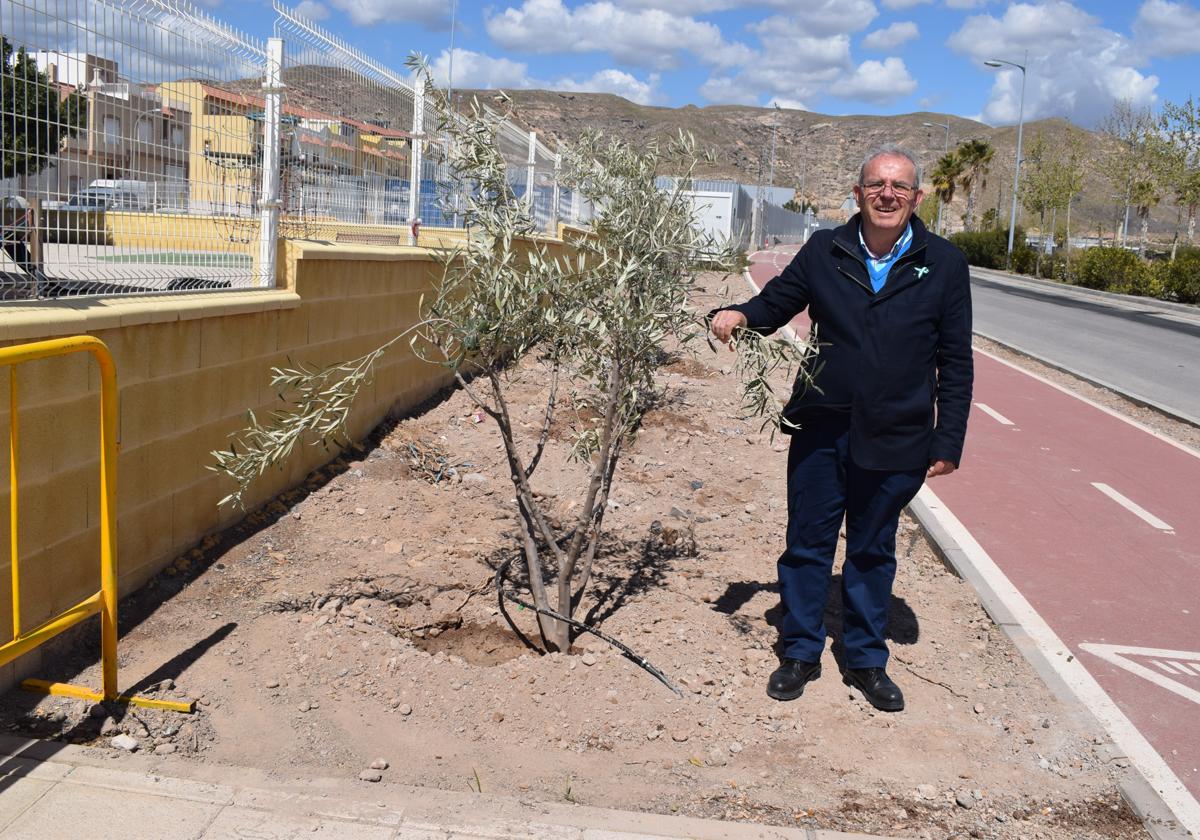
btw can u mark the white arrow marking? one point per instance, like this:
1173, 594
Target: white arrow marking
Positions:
1117, 655
994, 414
1133, 507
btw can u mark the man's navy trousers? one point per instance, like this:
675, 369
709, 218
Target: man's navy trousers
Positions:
822, 483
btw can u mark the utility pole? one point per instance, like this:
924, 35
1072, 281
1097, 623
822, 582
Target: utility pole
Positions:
771, 172
945, 151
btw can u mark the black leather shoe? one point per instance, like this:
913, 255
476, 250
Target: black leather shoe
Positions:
788, 680
877, 687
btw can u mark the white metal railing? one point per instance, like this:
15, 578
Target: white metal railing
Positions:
158, 149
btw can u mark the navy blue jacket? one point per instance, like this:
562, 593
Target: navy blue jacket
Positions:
888, 359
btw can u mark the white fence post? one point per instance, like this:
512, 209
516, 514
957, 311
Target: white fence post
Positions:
554, 206
529, 171
418, 139
268, 204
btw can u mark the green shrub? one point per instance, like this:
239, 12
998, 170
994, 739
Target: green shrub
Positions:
1181, 279
1112, 270
1024, 259
1054, 267
988, 248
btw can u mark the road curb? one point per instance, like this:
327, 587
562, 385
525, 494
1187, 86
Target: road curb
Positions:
1116, 297
344, 806
1100, 383
1156, 815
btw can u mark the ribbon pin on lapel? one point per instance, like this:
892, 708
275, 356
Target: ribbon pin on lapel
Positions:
922, 271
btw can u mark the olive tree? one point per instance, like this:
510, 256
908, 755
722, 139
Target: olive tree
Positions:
599, 321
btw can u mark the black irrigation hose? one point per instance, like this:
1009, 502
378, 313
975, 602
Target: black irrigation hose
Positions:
641, 661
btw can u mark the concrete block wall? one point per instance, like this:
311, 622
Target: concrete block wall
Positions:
188, 368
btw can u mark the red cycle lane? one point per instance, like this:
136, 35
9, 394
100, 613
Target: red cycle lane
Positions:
1096, 522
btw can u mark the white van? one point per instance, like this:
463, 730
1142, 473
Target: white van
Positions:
122, 194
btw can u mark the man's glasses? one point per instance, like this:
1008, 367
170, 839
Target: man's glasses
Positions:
899, 188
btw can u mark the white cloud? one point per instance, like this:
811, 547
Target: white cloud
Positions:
799, 64
903, 4
1076, 68
964, 4
891, 37
822, 18
642, 38
878, 82
1166, 28
727, 90
433, 13
312, 10
618, 82
790, 104
478, 70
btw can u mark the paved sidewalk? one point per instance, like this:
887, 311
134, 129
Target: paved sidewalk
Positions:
50, 791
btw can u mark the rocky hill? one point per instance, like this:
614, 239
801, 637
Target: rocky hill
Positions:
819, 155
816, 154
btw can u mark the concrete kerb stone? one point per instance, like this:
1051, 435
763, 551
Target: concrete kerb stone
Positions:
1166, 307
1137, 399
1081, 291
1137, 792
218, 797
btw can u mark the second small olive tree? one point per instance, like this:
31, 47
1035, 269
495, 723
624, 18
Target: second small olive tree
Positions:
599, 319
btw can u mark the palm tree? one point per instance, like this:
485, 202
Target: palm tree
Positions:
1144, 196
944, 179
976, 156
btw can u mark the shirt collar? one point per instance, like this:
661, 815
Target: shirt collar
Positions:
901, 243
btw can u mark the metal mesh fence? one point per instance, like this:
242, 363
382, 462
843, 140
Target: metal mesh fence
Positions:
346, 167
148, 147
132, 138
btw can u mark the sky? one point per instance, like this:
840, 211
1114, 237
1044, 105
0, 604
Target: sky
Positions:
831, 56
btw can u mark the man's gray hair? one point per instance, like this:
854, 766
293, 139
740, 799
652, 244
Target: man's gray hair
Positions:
890, 150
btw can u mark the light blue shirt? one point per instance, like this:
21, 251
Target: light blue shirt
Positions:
878, 267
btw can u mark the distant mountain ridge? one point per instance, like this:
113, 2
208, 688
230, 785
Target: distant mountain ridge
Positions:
817, 154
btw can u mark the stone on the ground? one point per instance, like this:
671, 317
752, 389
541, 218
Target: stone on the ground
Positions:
370, 776
404, 709
109, 726
735, 748
679, 737
165, 749
964, 800
379, 764
476, 479
125, 742
927, 791
588, 659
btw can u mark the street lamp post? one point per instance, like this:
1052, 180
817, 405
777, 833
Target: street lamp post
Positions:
945, 151
1012, 219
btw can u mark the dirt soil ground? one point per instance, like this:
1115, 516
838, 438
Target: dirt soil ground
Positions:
355, 620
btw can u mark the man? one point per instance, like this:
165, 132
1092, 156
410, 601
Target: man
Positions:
891, 305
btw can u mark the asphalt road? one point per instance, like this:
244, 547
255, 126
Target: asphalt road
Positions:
1138, 346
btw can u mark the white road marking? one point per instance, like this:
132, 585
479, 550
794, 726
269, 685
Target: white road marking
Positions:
1191, 670
1169, 667
1195, 453
1119, 656
1078, 679
1133, 507
994, 414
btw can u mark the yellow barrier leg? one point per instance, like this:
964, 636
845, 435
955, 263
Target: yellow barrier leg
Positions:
108, 524
14, 482
80, 693
105, 601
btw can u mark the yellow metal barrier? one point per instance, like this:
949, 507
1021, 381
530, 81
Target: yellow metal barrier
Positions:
103, 602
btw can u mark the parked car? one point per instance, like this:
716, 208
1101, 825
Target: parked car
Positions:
114, 194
